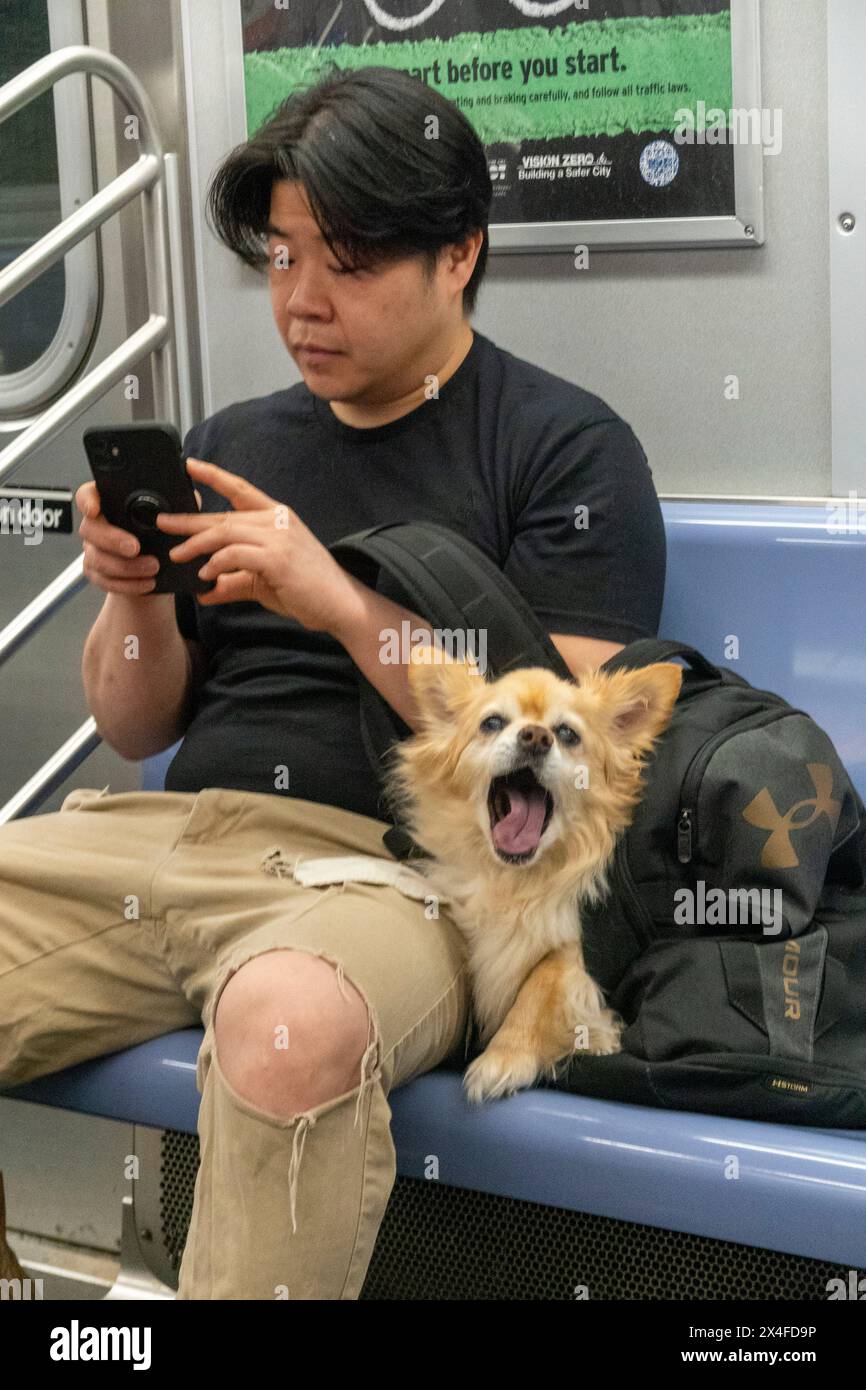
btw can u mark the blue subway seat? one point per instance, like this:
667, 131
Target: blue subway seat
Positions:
775, 592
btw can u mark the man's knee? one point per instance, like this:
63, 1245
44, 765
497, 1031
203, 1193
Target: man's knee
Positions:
289, 1034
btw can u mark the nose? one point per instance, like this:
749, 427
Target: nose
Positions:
535, 739
303, 296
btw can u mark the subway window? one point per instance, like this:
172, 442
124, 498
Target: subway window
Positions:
45, 173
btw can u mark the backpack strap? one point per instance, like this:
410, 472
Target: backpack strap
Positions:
451, 584
647, 650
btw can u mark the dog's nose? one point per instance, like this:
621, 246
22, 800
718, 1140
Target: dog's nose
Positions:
535, 739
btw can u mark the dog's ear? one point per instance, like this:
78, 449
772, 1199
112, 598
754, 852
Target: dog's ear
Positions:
440, 687
638, 704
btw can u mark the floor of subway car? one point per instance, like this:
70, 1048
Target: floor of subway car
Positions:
67, 1272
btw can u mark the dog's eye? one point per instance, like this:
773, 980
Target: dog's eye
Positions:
566, 734
492, 724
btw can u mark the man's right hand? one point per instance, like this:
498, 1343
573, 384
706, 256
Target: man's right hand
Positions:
140, 706
111, 556
112, 559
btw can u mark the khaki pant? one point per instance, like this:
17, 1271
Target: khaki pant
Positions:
123, 916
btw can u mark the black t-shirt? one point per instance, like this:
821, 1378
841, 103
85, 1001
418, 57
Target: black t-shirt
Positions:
506, 454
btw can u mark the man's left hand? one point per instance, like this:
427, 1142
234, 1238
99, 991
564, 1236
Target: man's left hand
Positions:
261, 552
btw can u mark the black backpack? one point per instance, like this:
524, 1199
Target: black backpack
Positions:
733, 941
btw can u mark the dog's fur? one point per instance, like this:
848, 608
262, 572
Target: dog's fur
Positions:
518, 902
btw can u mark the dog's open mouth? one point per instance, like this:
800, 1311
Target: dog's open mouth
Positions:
520, 809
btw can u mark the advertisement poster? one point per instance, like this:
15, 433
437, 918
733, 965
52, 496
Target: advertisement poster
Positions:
576, 103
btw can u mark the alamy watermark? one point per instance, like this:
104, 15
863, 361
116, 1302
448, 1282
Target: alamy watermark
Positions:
732, 907
846, 516
29, 517
738, 126
21, 1290
402, 647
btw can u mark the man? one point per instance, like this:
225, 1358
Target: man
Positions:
367, 199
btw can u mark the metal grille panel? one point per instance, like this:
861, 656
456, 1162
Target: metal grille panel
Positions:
180, 1160
445, 1243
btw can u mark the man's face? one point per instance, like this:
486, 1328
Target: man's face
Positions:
381, 323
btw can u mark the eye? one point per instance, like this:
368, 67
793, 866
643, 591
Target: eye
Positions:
492, 724
567, 735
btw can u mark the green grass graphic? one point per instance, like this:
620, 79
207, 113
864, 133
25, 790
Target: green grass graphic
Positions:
690, 54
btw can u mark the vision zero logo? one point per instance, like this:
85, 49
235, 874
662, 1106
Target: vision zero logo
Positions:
570, 164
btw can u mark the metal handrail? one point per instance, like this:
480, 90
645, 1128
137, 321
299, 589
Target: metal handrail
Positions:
30, 264
41, 608
53, 773
144, 178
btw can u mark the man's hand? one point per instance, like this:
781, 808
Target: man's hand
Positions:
111, 555
261, 552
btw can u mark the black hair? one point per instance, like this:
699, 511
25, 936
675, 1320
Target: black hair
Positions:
379, 186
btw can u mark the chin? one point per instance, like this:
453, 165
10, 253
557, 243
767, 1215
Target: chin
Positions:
518, 790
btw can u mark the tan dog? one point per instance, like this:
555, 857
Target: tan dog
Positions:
519, 789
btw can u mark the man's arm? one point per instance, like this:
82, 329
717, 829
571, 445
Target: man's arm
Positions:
361, 631
139, 695
139, 672
584, 653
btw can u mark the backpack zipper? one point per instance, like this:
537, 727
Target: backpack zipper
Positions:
684, 835
640, 917
687, 821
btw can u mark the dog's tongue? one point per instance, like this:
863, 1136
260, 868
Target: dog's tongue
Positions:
520, 831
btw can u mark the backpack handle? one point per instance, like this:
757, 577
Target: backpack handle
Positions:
450, 583
647, 650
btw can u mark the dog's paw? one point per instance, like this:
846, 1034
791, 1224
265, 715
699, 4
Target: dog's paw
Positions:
499, 1071
600, 1036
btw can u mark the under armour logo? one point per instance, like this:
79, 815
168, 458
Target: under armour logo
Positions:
778, 852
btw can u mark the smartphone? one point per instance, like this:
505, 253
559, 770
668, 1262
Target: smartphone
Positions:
139, 472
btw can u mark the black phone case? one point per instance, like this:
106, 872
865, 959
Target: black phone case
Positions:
139, 472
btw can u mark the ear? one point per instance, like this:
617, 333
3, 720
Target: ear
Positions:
440, 687
639, 704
